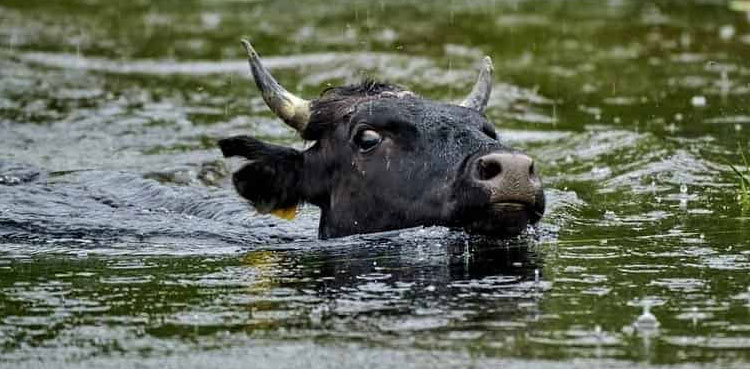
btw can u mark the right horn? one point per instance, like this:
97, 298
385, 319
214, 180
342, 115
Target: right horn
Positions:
293, 110
480, 93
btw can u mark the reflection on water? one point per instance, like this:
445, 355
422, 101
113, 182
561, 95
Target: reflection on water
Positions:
122, 243
429, 286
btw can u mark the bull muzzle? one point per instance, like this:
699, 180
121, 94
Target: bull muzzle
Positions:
516, 197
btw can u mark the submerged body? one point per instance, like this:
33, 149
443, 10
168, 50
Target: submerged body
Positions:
385, 158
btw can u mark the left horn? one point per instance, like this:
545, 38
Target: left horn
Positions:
293, 110
480, 93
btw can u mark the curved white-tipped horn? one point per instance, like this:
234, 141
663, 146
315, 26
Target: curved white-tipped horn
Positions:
480, 93
293, 110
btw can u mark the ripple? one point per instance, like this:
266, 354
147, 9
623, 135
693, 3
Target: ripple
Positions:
166, 67
723, 262
684, 285
709, 342
412, 324
374, 276
576, 337
590, 252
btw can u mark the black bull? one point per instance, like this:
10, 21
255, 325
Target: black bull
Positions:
384, 158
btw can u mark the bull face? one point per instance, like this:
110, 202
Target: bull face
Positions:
384, 159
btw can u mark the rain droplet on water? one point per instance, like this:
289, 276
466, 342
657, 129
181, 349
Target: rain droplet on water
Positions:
726, 32
683, 189
698, 101
609, 215
646, 321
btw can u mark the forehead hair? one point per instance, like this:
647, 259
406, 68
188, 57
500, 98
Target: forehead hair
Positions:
336, 103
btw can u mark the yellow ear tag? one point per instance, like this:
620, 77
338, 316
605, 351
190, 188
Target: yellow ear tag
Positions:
287, 213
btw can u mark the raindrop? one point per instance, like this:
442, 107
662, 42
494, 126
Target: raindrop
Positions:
726, 32
695, 316
12, 41
683, 189
646, 321
554, 115
686, 39
609, 215
430, 288
536, 275
698, 101
724, 84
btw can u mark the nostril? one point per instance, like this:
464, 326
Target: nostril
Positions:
489, 169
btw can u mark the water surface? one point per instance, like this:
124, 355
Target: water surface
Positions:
123, 244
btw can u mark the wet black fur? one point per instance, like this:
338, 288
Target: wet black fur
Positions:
336, 102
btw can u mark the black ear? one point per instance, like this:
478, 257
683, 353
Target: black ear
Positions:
271, 179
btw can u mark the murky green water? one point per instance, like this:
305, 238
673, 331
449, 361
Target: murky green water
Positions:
122, 244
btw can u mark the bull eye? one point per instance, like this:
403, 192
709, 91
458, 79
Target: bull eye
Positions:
367, 140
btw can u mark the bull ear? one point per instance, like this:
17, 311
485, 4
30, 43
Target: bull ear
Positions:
270, 181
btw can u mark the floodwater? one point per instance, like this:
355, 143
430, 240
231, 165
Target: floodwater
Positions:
122, 244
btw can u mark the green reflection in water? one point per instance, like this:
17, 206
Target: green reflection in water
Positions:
623, 103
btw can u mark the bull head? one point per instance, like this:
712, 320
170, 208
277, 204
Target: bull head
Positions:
385, 158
